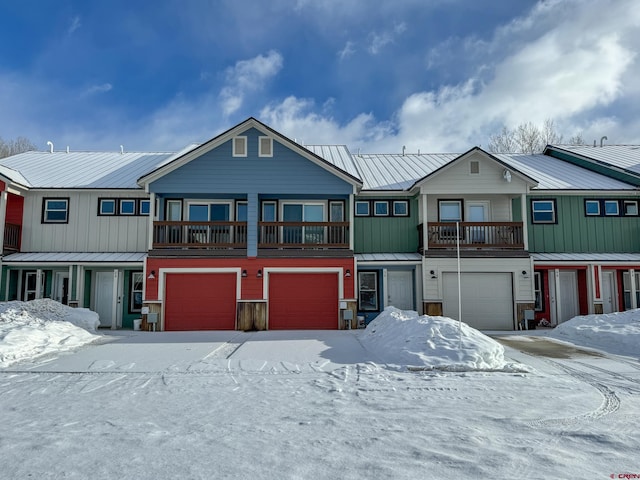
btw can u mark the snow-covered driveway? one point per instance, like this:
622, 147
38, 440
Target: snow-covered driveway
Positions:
303, 405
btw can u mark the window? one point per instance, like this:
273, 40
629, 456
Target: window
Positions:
450, 210
135, 297
269, 211
362, 209
474, 167
265, 147
592, 207
127, 207
240, 147
611, 208
144, 207
537, 288
400, 208
107, 206
305, 213
630, 208
173, 211
55, 210
368, 291
381, 208
543, 211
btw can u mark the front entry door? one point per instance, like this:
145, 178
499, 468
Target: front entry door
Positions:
400, 289
478, 212
608, 292
106, 298
568, 302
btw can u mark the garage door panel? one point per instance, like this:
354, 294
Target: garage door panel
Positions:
303, 301
200, 301
487, 299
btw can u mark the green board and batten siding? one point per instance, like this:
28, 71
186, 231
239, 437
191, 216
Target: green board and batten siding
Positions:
387, 234
578, 233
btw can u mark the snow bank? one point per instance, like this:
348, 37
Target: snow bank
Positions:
617, 333
405, 338
30, 329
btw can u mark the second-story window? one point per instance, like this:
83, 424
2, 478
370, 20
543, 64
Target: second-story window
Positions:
127, 207
362, 209
450, 210
55, 210
107, 206
400, 208
543, 211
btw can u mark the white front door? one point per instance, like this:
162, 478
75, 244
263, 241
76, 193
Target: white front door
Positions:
400, 289
107, 298
608, 292
568, 301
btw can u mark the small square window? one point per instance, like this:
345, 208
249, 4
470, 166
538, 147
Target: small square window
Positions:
127, 207
240, 147
543, 211
474, 167
400, 208
630, 208
592, 207
381, 209
611, 208
55, 210
265, 147
362, 209
144, 207
107, 206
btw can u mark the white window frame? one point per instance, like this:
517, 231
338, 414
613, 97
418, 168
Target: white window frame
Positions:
303, 203
376, 307
168, 209
400, 202
208, 203
275, 210
132, 291
612, 202
553, 211
363, 202
261, 153
626, 203
101, 201
586, 211
46, 210
451, 202
140, 203
375, 208
538, 291
124, 201
235, 150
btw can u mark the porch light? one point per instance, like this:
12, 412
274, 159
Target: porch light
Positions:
259, 274
152, 275
524, 274
347, 273
244, 273
433, 274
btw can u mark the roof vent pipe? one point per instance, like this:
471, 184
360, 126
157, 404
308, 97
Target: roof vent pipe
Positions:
602, 140
121, 149
67, 148
403, 147
594, 143
50, 143
418, 151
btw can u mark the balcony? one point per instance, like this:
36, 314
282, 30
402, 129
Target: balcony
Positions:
200, 235
12, 235
303, 235
474, 235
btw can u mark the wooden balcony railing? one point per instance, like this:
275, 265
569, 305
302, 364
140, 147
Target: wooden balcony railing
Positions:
476, 235
303, 235
200, 234
12, 235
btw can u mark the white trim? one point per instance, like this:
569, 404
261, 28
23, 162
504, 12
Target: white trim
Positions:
375, 210
352, 221
267, 270
126, 200
165, 271
189, 202
260, 153
233, 146
153, 215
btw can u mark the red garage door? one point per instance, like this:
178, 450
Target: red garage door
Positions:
200, 301
303, 301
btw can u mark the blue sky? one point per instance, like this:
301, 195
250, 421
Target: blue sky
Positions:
436, 75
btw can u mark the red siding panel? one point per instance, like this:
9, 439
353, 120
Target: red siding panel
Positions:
303, 301
200, 301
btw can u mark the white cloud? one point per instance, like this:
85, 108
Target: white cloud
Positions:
75, 24
248, 76
377, 41
347, 51
94, 89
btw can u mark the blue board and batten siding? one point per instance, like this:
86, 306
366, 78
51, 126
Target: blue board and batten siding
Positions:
218, 171
218, 174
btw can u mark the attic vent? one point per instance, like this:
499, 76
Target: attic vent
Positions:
474, 167
240, 147
265, 147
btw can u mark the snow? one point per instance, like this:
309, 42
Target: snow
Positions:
617, 333
39, 327
312, 404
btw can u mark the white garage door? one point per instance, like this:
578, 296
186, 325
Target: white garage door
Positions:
487, 299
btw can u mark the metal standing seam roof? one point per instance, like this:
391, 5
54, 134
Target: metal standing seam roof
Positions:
83, 169
337, 155
586, 257
388, 257
75, 257
555, 174
622, 156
